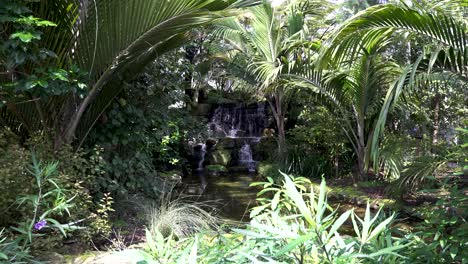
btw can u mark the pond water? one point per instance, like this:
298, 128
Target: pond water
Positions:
232, 193
234, 197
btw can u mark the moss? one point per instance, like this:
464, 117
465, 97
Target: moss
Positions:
81, 258
220, 157
369, 184
216, 168
349, 193
267, 169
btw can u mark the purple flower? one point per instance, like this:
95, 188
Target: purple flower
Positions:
41, 224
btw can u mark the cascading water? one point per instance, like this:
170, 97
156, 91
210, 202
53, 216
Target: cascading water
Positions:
238, 121
202, 157
245, 157
242, 123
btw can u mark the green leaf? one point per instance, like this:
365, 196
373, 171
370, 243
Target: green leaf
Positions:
275, 201
381, 227
57, 225
45, 23
61, 75
387, 251
256, 184
355, 225
453, 251
43, 83
193, 252
250, 233
293, 244
256, 210
25, 36
292, 192
150, 241
338, 223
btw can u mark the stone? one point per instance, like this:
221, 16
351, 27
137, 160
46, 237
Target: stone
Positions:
219, 157
226, 143
216, 168
52, 258
211, 143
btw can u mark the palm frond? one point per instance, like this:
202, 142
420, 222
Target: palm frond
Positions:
117, 36
380, 22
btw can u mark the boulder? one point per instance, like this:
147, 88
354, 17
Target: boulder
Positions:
226, 143
211, 143
218, 157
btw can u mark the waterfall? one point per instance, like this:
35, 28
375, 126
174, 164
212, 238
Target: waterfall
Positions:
202, 157
245, 157
237, 128
238, 121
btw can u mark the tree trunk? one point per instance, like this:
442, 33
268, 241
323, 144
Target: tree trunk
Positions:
361, 163
435, 131
281, 135
361, 146
276, 105
336, 165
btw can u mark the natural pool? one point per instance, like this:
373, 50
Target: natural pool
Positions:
231, 192
232, 195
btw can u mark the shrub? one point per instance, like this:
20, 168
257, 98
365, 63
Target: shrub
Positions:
291, 225
297, 225
49, 203
443, 236
74, 173
12, 252
268, 169
14, 180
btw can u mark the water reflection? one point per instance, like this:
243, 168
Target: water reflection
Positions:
232, 191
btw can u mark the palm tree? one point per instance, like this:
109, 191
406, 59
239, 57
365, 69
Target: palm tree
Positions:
372, 30
354, 95
113, 41
445, 32
438, 22
266, 38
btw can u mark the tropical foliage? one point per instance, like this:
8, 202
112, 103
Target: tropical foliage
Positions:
203, 131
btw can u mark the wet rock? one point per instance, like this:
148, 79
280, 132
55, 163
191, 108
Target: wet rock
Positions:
211, 143
226, 143
219, 157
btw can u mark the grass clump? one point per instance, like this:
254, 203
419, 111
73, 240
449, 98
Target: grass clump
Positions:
181, 217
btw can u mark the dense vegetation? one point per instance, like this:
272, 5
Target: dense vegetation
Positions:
99, 119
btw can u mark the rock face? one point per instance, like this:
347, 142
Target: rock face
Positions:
234, 130
218, 157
